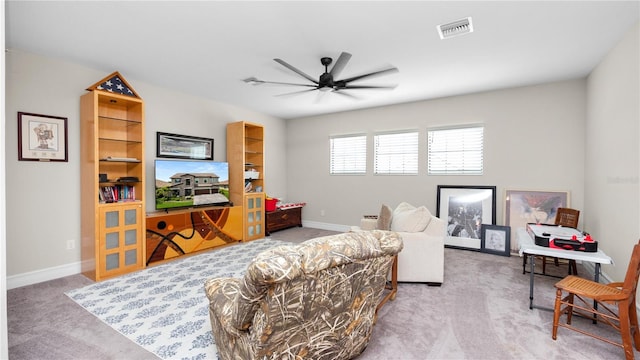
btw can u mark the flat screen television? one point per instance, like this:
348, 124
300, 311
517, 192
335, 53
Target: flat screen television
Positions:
187, 183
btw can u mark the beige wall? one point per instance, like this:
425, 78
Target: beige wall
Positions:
612, 151
525, 128
43, 198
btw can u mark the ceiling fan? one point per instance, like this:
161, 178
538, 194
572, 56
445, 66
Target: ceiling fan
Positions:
327, 81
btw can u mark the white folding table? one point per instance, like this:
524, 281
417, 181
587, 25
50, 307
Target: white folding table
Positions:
529, 248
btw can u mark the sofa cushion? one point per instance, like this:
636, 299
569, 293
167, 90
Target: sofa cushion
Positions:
408, 218
384, 219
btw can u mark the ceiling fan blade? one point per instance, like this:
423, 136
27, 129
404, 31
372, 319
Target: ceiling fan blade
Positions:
299, 72
297, 92
375, 73
346, 94
340, 64
319, 96
284, 83
388, 87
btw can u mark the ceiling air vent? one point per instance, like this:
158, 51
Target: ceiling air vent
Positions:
456, 28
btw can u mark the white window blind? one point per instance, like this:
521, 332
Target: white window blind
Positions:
396, 153
348, 154
456, 151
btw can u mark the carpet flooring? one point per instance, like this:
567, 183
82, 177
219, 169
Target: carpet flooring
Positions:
164, 308
480, 312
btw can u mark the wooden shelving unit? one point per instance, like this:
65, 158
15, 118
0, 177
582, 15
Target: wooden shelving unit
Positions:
245, 154
112, 159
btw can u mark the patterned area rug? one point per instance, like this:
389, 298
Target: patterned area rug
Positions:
164, 308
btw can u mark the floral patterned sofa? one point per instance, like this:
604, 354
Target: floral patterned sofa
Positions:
315, 300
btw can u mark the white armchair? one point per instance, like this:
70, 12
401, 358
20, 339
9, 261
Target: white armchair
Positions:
422, 259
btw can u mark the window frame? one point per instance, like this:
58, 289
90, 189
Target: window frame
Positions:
409, 167
473, 167
360, 165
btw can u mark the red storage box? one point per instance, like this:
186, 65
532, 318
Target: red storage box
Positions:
270, 204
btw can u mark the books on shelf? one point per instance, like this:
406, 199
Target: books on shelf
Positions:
117, 193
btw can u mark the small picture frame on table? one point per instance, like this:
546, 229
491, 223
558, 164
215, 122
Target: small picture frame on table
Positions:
495, 239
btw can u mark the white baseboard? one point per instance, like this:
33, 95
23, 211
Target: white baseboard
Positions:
38, 276
326, 226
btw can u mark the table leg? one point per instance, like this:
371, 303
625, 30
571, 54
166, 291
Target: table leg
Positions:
596, 278
531, 273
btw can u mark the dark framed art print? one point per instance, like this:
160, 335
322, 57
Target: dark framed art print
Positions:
495, 239
42, 137
465, 209
183, 147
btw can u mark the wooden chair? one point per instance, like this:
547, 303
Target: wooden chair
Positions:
568, 218
593, 296
565, 217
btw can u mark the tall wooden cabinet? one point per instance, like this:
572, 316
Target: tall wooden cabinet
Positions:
245, 154
112, 184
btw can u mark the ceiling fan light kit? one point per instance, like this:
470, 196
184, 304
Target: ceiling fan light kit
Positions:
455, 28
327, 81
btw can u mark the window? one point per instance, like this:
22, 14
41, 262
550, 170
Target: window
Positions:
456, 151
348, 155
396, 153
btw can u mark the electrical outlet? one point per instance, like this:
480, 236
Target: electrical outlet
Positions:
321, 212
71, 244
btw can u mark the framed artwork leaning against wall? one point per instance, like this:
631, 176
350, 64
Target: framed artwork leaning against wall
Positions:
465, 208
496, 239
531, 206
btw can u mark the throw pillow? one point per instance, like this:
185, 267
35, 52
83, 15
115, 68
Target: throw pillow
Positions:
410, 219
403, 206
384, 219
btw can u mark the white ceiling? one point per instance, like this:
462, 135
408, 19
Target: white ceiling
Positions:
207, 48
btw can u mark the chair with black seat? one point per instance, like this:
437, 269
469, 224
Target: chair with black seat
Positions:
598, 301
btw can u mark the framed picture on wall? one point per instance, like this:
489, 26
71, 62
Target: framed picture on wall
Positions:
496, 239
465, 209
42, 137
183, 147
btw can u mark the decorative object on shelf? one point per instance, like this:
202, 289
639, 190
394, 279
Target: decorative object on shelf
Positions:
42, 137
466, 208
114, 83
538, 207
495, 239
183, 146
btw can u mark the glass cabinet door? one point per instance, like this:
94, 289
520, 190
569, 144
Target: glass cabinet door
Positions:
254, 216
121, 241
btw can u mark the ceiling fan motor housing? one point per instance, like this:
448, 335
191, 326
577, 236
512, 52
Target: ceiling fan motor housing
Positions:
326, 80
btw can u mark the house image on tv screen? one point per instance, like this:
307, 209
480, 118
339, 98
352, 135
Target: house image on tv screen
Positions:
186, 189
